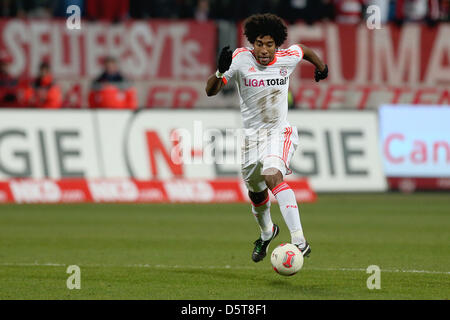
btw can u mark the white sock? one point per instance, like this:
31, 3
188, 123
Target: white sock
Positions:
262, 216
289, 209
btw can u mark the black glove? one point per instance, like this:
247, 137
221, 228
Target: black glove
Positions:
431, 23
320, 75
225, 59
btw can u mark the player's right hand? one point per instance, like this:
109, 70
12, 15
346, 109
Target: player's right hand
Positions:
225, 59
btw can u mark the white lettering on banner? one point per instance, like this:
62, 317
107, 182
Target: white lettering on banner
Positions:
15, 35
67, 63
437, 72
139, 35
185, 191
374, 19
375, 54
184, 52
73, 196
95, 51
32, 191
143, 48
152, 195
105, 191
38, 45
73, 22
226, 196
387, 65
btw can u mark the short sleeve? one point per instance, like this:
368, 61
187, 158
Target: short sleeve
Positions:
295, 48
229, 74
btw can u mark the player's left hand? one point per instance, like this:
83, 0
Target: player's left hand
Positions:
224, 59
321, 75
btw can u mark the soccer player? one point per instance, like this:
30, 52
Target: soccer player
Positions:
262, 75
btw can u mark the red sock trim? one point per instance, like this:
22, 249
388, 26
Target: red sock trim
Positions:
282, 186
260, 204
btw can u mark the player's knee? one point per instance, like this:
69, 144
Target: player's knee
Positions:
272, 180
258, 197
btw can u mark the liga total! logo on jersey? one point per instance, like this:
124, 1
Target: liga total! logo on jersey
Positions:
265, 82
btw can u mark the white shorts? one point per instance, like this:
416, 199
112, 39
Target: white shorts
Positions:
272, 150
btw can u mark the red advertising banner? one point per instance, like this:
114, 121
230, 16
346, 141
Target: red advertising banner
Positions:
408, 65
406, 184
169, 61
146, 50
134, 191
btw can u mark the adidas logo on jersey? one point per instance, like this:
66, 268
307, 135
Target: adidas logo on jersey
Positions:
252, 69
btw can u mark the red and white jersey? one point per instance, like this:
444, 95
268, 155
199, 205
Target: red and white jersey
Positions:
263, 90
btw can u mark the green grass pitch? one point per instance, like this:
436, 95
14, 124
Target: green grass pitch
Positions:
169, 251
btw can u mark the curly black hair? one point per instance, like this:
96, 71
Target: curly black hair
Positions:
266, 24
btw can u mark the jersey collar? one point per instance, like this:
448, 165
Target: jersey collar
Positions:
264, 65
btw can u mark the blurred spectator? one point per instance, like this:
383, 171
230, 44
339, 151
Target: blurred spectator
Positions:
9, 8
111, 72
185, 9
417, 10
36, 8
349, 11
111, 90
320, 10
222, 10
141, 9
202, 10
60, 10
309, 11
107, 10
8, 86
237, 11
445, 10
47, 94
13, 92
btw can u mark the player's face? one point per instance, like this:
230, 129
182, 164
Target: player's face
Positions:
264, 49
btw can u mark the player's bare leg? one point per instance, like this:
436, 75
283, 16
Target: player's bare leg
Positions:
288, 206
261, 212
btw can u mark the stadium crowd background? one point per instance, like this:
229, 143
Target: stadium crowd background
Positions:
44, 91
344, 11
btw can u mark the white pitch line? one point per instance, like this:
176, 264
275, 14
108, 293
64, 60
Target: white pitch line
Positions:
162, 266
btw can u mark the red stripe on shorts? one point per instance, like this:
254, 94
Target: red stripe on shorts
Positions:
287, 142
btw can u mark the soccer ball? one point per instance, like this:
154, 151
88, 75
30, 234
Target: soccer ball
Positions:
286, 259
